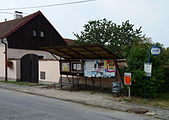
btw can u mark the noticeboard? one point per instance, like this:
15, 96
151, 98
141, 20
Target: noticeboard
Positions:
71, 67
100, 68
76, 67
64, 66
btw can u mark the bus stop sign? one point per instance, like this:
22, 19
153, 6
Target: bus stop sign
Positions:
155, 50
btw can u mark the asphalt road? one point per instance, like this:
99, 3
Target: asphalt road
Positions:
21, 106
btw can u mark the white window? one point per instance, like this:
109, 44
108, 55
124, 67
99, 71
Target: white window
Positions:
42, 34
34, 33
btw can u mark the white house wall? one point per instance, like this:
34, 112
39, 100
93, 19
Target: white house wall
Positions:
18, 53
51, 69
14, 73
49, 64
2, 61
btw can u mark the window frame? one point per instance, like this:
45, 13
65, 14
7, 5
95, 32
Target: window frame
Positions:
34, 33
42, 33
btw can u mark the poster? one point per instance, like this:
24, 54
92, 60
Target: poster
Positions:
100, 68
148, 69
65, 67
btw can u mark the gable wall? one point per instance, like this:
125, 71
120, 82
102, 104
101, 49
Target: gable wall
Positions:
23, 38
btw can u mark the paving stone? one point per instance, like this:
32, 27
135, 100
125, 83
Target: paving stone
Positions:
151, 113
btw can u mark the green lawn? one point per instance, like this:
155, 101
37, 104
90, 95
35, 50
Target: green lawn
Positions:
21, 83
162, 100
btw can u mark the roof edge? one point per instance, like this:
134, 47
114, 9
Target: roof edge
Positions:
23, 23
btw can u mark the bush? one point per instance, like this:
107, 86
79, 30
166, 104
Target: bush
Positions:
142, 85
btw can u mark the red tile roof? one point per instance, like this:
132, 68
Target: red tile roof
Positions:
8, 27
69, 41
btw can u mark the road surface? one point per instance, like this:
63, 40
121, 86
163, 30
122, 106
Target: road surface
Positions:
21, 106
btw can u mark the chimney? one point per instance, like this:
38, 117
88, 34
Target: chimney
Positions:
18, 15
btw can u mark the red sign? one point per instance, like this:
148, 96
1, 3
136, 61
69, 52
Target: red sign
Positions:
127, 78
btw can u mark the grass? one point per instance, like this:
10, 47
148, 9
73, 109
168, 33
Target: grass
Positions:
162, 100
21, 83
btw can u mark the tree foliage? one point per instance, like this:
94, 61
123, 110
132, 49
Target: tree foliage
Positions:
129, 43
117, 38
158, 82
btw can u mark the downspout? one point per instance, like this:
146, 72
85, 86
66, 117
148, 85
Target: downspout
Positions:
6, 54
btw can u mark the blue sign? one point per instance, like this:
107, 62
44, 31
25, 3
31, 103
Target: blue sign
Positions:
155, 50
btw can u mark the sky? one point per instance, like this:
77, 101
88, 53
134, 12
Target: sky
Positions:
151, 15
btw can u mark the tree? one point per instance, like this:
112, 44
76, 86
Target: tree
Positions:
117, 38
159, 80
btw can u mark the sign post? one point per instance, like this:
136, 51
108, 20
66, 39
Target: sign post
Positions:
155, 50
127, 81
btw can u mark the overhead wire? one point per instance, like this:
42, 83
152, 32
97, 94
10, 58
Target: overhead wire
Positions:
11, 13
50, 5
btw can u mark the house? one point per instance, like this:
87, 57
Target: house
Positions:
21, 57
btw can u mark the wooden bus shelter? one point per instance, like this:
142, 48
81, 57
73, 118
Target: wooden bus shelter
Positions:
73, 56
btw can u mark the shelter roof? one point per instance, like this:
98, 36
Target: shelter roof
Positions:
81, 52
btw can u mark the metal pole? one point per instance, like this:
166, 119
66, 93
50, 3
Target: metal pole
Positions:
73, 82
86, 83
100, 85
6, 58
129, 92
61, 82
147, 78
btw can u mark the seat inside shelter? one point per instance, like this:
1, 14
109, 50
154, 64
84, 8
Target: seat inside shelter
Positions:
86, 65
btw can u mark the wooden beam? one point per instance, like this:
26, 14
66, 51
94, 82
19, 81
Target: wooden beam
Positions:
70, 56
76, 52
92, 52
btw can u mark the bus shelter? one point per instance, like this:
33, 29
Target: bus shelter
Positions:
86, 61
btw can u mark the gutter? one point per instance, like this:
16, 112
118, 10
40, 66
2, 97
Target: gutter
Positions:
6, 48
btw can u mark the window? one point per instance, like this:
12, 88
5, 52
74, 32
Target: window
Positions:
42, 34
34, 33
42, 75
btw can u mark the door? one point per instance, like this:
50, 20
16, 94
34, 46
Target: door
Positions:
29, 68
